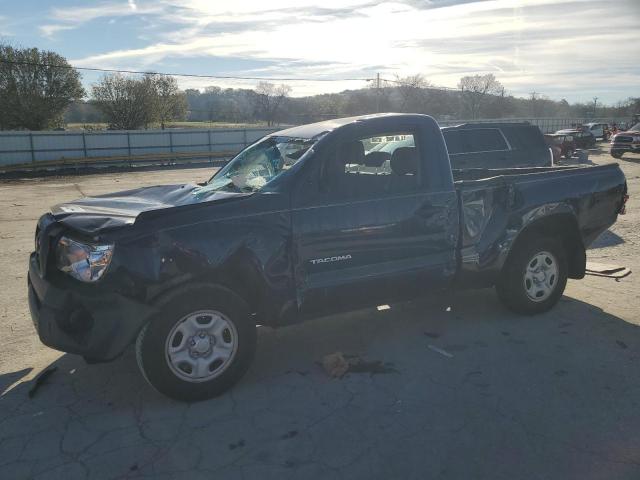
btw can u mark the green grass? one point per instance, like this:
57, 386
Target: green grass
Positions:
103, 126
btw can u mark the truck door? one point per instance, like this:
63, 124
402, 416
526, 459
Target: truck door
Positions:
372, 230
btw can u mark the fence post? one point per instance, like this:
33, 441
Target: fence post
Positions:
170, 141
209, 150
245, 137
84, 145
129, 142
33, 153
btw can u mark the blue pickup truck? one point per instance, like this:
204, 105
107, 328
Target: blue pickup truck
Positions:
305, 222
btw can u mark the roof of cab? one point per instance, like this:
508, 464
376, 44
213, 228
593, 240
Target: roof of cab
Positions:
314, 129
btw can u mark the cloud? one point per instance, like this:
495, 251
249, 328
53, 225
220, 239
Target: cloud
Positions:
526, 43
50, 30
78, 15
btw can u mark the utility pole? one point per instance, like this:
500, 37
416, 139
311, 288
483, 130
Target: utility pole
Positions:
595, 104
378, 92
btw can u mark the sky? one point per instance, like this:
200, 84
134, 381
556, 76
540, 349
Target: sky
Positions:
572, 49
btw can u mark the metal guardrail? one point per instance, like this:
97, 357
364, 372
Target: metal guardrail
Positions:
33, 149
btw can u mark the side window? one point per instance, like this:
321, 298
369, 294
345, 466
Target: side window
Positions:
453, 139
472, 141
524, 137
385, 164
485, 140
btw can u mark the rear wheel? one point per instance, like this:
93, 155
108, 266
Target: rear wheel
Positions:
200, 344
534, 277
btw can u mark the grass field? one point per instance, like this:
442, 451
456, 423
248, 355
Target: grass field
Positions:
103, 126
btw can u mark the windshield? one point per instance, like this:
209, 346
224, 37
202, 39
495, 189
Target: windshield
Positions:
257, 165
635, 128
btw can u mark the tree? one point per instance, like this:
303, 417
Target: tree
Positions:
475, 89
269, 99
169, 103
36, 87
130, 103
412, 90
126, 102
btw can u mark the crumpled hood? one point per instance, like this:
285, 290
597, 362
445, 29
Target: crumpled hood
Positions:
93, 214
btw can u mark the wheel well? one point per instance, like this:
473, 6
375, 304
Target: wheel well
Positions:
563, 227
241, 278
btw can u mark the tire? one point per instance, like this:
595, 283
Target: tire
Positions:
617, 154
200, 344
518, 286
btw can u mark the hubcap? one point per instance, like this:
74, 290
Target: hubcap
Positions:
541, 276
201, 345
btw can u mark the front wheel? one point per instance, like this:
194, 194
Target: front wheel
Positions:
616, 154
534, 277
200, 344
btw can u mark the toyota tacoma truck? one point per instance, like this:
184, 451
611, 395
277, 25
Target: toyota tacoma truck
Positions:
305, 222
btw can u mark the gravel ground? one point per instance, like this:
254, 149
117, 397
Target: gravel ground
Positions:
554, 396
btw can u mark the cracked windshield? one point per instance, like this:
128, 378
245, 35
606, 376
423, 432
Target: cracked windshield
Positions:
256, 166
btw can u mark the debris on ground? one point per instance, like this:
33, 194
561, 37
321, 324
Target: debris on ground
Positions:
337, 365
432, 334
40, 380
609, 271
289, 434
440, 351
621, 344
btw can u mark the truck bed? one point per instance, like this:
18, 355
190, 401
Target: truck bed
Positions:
497, 204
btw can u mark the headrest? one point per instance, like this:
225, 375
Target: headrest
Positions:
404, 161
376, 159
351, 152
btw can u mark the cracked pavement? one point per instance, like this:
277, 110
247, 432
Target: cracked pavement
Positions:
479, 393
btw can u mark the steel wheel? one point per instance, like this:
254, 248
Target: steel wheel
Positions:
541, 276
201, 346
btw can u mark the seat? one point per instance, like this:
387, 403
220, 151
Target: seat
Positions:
404, 161
351, 152
376, 159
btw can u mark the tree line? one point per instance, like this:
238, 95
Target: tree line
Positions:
39, 90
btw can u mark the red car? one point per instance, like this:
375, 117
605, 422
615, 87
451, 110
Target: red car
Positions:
562, 145
628, 141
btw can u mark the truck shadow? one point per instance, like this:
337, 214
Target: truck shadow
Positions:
563, 380
606, 239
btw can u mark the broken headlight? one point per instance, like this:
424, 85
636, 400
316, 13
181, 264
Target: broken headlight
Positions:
82, 261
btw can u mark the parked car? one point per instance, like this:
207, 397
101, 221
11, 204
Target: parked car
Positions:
562, 145
496, 145
628, 141
598, 130
581, 138
185, 272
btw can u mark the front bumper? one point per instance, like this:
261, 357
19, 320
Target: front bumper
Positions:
98, 325
625, 147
